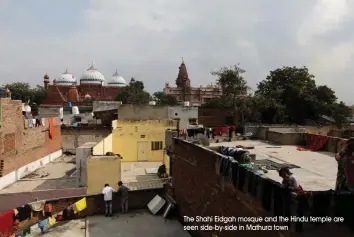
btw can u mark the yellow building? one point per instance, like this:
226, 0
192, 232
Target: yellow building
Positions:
141, 140
102, 170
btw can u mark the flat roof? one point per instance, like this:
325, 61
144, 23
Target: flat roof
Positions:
318, 170
131, 224
58, 174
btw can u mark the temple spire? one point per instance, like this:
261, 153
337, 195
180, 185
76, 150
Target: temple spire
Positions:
182, 80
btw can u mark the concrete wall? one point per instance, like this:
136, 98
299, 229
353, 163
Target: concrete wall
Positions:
75, 137
82, 154
105, 105
286, 138
143, 112
102, 170
199, 190
104, 146
132, 138
183, 113
17, 174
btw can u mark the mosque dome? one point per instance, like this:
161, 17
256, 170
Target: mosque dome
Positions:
66, 79
92, 76
116, 80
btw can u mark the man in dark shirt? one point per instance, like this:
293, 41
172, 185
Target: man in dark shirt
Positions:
123, 191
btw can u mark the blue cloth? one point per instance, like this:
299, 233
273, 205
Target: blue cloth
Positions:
43, 225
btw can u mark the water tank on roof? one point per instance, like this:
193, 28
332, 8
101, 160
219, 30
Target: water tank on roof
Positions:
61, 113
186, 103
152, 103
75, 110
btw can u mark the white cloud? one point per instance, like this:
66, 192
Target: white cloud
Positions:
146, 39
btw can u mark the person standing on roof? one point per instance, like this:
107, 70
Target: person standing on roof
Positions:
123, 191
108, 196
341, 158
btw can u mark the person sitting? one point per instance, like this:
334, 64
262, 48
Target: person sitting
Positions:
162, 171
289, 180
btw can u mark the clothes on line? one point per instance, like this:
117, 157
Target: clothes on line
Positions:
6, 222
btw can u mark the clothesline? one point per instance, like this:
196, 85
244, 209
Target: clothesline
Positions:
7, 220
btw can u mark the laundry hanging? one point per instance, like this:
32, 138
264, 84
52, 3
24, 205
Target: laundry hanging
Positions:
51, 221
25, 123
81, 205
314, 142
43, 225
24, 213
48, 209
30, 123
6, 222
51, 128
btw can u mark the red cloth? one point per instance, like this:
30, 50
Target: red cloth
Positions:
218, 131
224, 130
314, 142
6, 223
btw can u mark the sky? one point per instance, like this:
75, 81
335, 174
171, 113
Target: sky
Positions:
147, 39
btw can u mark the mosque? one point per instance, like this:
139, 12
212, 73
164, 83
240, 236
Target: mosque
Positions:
92, 86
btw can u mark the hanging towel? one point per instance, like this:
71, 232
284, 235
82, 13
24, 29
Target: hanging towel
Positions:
26, 231
51, 221
30, 123
81, 205
34, 122
241, 177
43, 122
6, 222
43, 225
51, 128
235, 167
26, 123
267, 191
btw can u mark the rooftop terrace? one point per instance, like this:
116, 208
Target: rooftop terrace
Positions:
317, 170
121, 225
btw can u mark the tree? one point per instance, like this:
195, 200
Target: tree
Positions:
293, 92
134, 93
234, 88
23, 91
163, 99
341, 112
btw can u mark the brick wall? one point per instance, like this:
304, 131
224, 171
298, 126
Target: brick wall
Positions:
200, 191
211, 117
20, 146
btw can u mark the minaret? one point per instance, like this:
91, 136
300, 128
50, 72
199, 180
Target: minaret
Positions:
46, 81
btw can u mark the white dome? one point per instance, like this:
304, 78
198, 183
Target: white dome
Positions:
66, 79
92, 76
116, 80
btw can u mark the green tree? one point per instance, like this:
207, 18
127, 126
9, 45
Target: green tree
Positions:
234, 88
341, 113
163, 99
23, 91
294, 96
134, 93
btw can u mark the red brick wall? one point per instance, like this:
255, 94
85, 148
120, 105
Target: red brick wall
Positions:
210, 117
20, 146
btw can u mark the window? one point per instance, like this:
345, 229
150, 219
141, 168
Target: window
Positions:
155, 146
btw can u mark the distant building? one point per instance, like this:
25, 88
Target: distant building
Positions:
184, 92
93, 86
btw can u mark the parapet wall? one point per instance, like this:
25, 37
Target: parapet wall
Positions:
200, 190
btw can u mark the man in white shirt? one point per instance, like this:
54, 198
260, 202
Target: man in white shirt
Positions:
108, 195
